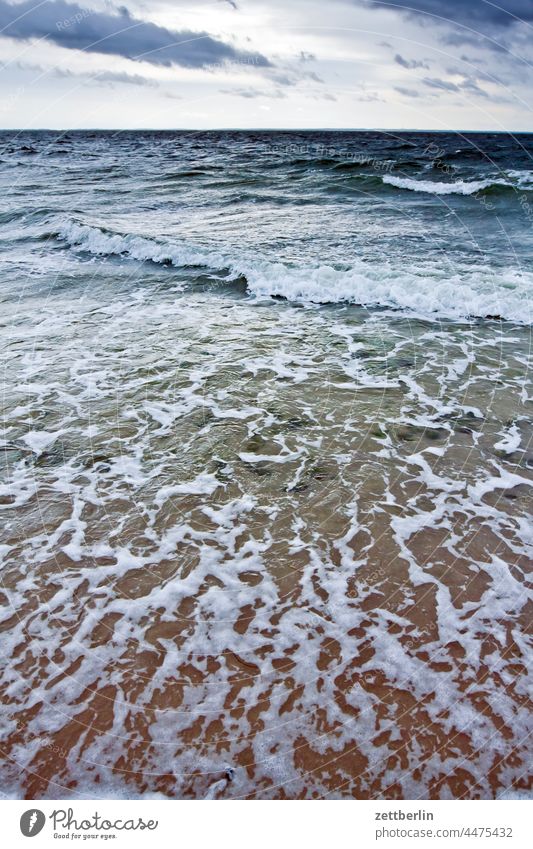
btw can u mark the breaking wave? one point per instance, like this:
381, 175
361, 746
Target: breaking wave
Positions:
433, 290
524, 182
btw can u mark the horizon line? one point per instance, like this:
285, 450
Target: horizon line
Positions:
253, 130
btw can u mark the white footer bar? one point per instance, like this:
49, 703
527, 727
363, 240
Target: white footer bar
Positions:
268, 825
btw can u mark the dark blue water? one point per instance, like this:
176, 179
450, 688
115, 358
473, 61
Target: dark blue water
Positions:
436, 224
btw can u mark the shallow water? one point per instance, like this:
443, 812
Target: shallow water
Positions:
258, 547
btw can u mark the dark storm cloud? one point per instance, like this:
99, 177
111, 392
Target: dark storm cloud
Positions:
72, 26
480, 14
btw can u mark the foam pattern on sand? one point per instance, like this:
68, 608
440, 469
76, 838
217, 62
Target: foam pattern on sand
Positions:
265, 552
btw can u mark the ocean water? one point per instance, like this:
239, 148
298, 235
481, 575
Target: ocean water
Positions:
267, 464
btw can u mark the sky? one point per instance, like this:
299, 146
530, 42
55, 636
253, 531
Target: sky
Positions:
411, 64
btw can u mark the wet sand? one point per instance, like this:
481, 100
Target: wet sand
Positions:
266, 552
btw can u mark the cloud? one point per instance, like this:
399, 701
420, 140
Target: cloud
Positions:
97, 77
74, 27
284, 79
471, 86
371, 97
409, 63
111, 77
468, 85
312, 76
474, 74
407, 92
459, 38
472, 60
443, 85
480, 14
250, 93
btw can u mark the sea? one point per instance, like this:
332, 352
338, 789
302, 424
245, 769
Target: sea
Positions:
267, 464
